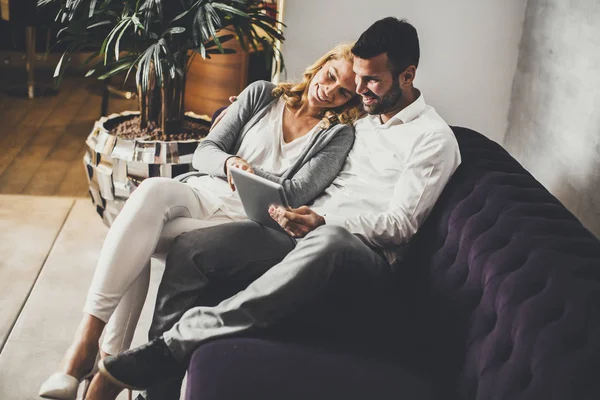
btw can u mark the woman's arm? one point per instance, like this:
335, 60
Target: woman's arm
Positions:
213, 152
318, 173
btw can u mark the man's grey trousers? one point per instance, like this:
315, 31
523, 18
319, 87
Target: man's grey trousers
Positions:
212, 267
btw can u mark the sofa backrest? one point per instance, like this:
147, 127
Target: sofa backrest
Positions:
508, 284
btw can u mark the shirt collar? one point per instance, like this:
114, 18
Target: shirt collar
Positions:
407, 114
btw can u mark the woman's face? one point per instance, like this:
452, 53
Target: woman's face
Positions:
333, 85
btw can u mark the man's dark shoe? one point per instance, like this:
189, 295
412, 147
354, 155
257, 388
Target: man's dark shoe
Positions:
141, 367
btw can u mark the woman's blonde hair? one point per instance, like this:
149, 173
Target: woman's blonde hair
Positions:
295, 94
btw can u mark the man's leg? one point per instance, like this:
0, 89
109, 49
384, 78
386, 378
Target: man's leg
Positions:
206, 266
329, 259
232, 254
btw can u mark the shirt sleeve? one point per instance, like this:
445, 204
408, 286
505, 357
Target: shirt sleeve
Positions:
432, 162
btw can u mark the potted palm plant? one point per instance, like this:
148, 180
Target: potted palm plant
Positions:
155, 42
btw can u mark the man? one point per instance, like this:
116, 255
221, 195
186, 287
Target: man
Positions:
348, 241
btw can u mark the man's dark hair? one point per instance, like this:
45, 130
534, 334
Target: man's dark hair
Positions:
395, 37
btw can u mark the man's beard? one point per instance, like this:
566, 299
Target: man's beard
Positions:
388, 102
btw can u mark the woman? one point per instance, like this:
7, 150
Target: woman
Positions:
297, 135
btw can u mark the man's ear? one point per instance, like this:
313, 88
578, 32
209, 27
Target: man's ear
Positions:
408, 76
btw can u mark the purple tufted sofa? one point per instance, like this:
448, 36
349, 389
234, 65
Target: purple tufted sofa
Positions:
499, 298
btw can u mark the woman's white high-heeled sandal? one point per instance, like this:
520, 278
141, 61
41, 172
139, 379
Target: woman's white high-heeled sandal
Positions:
88, 383
60, 386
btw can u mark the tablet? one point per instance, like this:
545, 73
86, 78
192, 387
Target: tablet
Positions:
257, 195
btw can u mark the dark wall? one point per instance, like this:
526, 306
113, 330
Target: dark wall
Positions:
21, 14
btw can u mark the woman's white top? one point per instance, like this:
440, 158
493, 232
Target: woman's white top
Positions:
264, 147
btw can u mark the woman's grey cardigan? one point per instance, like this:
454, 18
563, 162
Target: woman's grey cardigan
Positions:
312, 172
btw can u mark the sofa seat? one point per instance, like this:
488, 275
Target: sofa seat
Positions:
256, 368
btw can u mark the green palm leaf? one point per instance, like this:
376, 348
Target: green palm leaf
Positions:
157, 38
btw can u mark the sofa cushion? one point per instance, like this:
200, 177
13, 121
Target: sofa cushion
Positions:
508, 282
252, 368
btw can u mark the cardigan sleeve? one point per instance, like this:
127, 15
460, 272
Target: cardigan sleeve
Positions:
319, 171
219, 145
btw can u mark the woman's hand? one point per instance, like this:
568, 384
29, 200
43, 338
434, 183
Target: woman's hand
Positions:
236, 162
297, 222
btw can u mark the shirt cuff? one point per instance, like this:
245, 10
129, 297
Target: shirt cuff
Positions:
335, 220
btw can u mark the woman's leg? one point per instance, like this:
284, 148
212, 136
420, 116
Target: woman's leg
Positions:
122, 324
120, 329
125, 253
133, 237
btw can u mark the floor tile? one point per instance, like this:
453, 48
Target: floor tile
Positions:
28, 228
49, 319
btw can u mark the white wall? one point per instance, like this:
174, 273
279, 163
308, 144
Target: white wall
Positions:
554, 124
469, 49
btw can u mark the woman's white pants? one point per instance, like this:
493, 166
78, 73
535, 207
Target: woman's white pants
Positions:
158, 211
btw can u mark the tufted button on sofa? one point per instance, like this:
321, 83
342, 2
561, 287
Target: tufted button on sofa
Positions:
499, 298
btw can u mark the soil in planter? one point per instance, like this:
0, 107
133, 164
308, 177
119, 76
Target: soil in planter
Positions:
128, 127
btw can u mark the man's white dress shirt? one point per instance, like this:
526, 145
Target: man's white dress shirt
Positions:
392, 177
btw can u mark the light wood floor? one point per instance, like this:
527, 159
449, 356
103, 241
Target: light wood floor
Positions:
42, 140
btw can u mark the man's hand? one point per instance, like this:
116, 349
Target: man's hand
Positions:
298, 222
236, 162
222, 114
